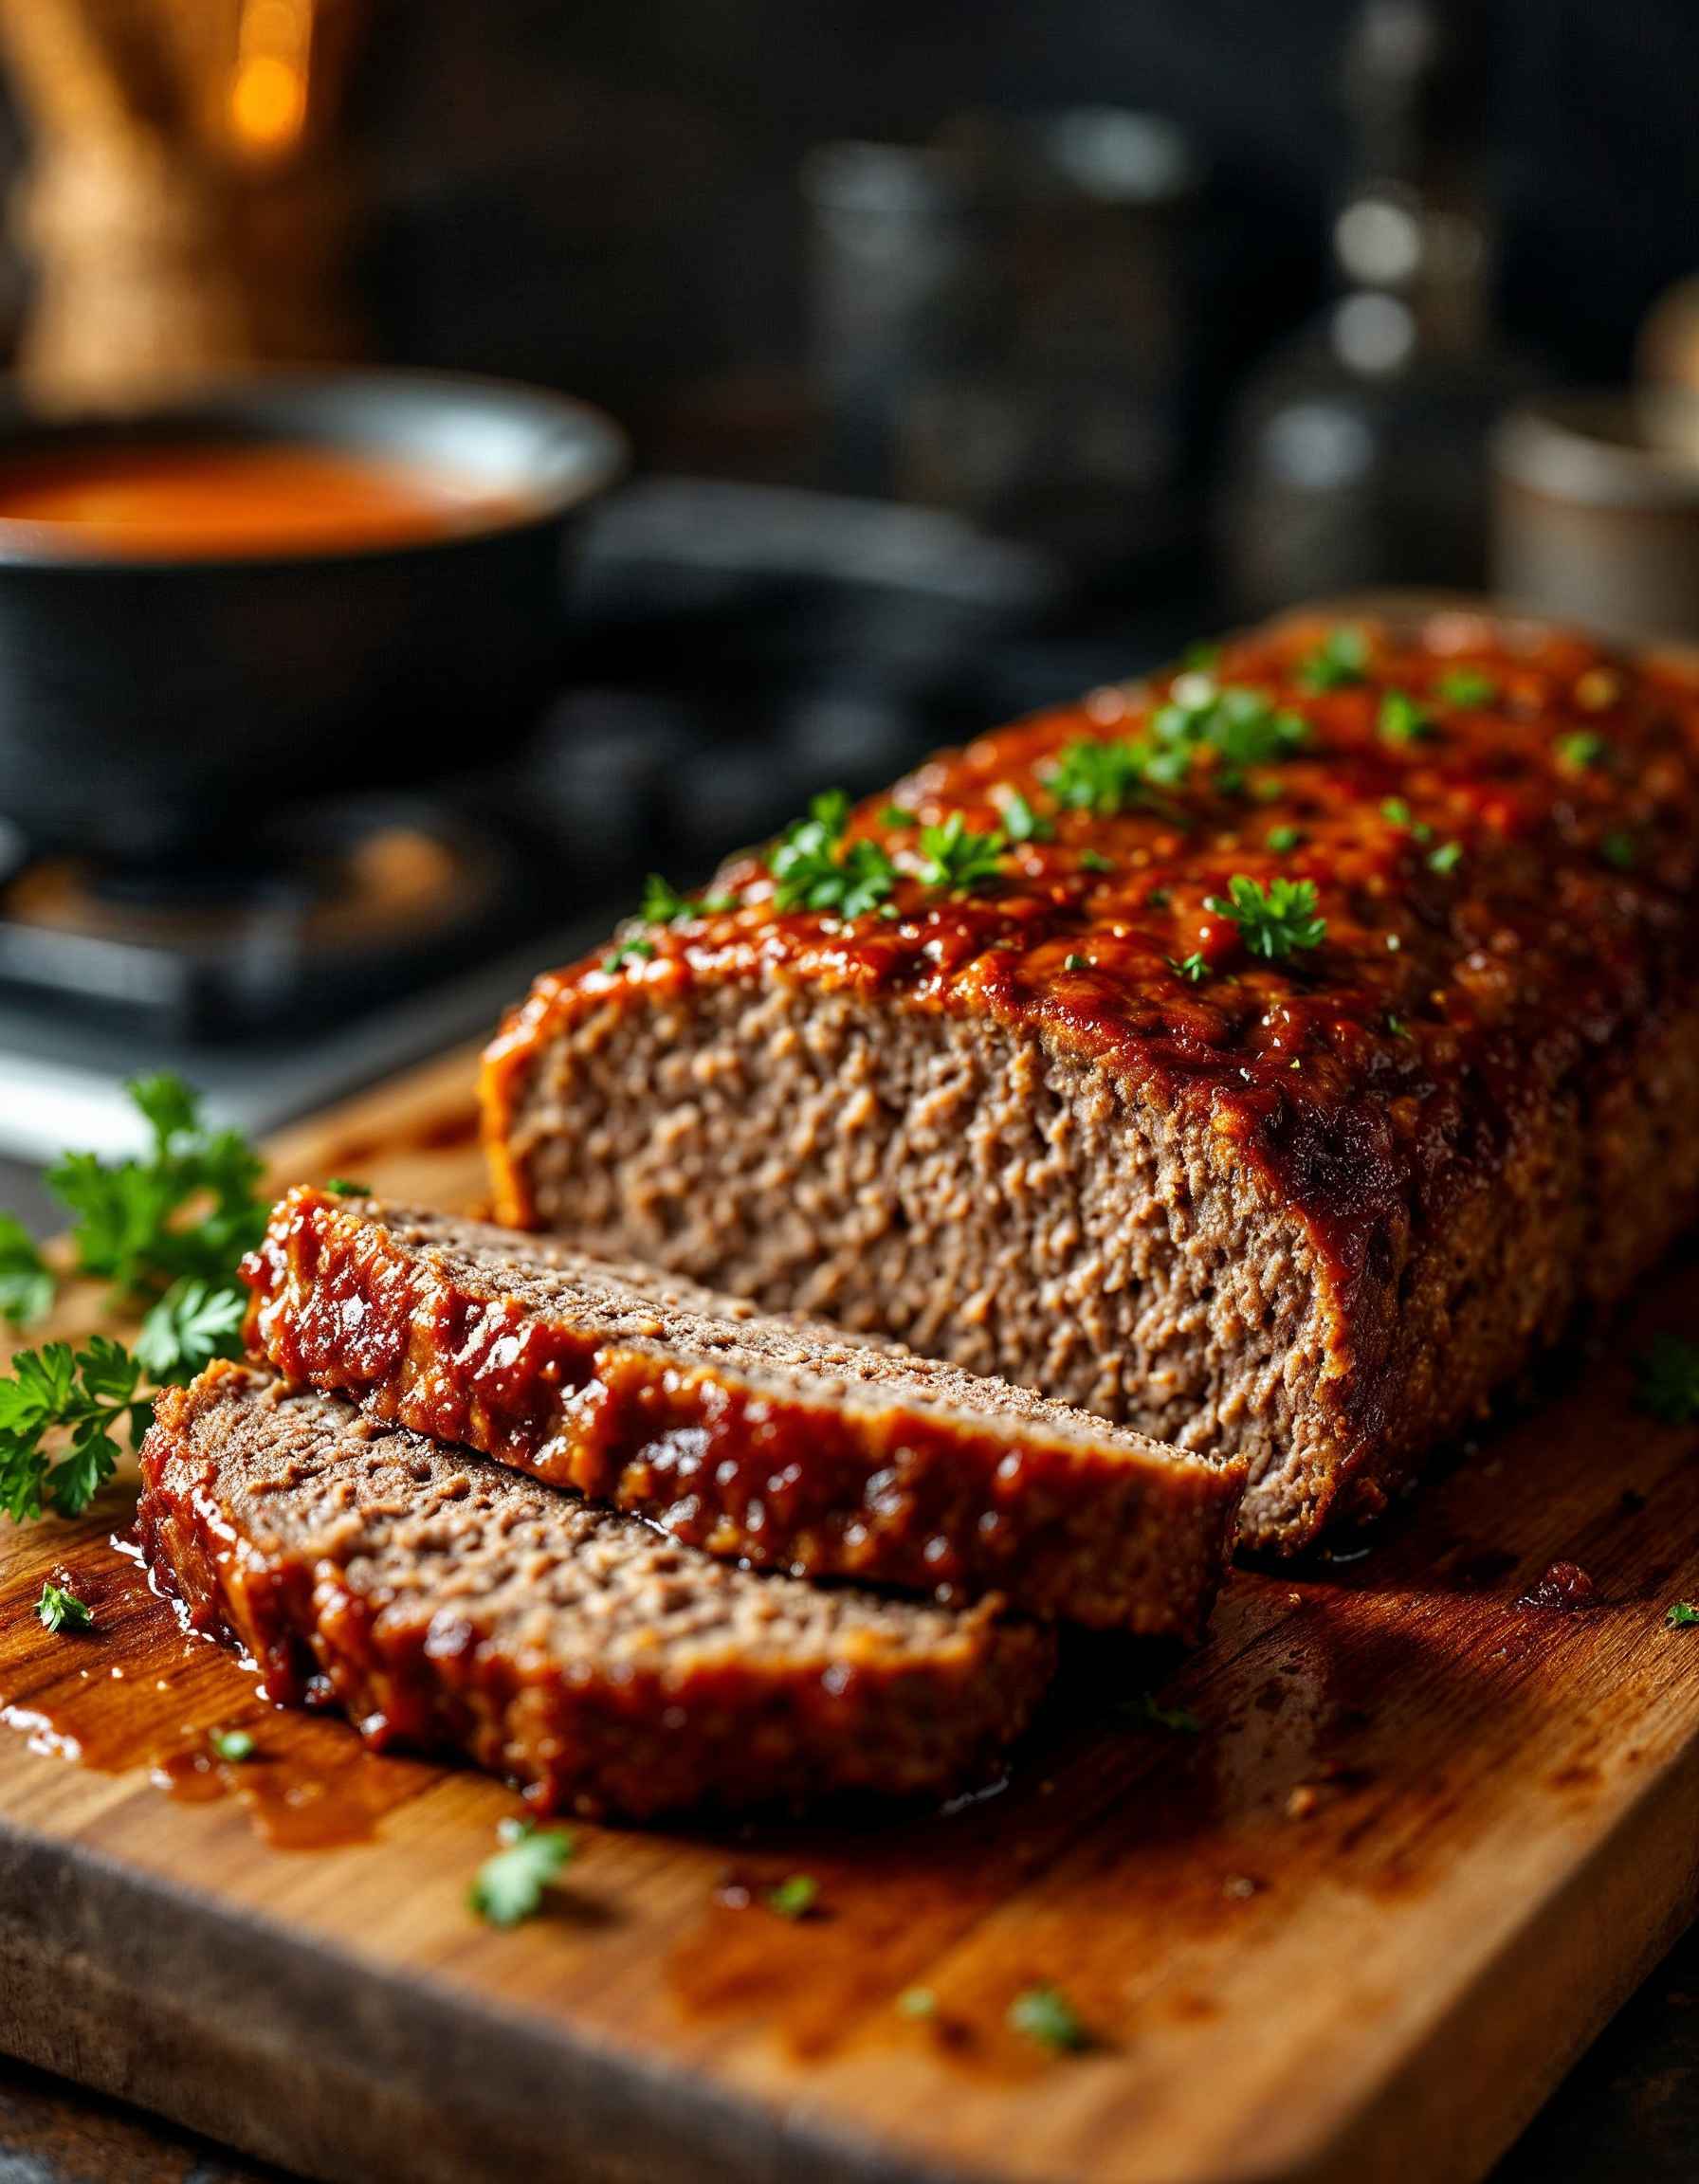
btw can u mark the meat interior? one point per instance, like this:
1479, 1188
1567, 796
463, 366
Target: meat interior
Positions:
955, 1186
782, 1354
437, 1536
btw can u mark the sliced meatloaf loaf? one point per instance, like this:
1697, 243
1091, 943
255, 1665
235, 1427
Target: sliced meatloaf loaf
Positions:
782, 1441
446, 1604
1272, 1055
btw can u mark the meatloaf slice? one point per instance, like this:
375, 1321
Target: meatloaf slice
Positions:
785, 1442
446, 1604
1273, 1055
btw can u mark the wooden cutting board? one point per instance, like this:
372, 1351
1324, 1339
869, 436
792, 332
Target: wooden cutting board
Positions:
1430, 1833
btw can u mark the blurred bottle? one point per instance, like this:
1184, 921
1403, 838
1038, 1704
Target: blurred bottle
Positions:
1357, 453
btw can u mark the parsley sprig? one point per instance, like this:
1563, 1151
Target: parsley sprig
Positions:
509, 1886
92, 1395
1045, 2014
1339, 660
957, 861
60, 1610
1274, 921
815, 869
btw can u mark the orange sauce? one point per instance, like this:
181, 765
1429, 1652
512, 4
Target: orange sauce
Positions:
192, 502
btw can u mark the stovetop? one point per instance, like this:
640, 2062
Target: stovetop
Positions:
733, 649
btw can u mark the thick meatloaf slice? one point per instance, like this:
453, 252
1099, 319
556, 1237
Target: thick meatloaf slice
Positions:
444, 1603
1316, 1033
782, 1441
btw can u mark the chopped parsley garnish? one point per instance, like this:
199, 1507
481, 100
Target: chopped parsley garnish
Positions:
1467, 686
27, 1283
1669, 1382
813, 867
1682, 1615
1149, 1715
956, 861
1159, 898
1398, 813
1581, 749
1242, 726
663, 904
343, 1187
509, 1887
1193, 968
1045, 2014
1396, 1026
1103, 777
1272, 921
234, 1746
1401, 720
189, 1326
1022, 823
87, 1393
1094, 860
923, 2002
1076, 962
1200, 658
62, 1610
795, 1895
635, 950
1619, 851
1341, 659
895, 815
1446, 858
1281, 839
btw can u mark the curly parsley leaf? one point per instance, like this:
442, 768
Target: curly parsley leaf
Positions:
956, 861
26, 1283
1103, 777
1274, 921
813, 868
88, 1396
1241, 726
60, 1610
1682, 1615
1339, 660
192, 1324
1669, 1382
509, 1887
186, 1207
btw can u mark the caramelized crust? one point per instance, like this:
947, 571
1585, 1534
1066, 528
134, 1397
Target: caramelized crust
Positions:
1467, 1112
444, 1603
784, 1443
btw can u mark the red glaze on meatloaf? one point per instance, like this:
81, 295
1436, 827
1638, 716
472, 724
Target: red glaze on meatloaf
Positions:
444, 1603
783, 1441
1066, 1123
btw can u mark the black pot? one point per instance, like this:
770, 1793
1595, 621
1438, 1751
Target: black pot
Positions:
152, 709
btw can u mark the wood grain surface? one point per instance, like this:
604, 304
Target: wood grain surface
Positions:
1431, 1830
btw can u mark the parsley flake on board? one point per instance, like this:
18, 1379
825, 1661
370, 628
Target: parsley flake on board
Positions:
956, 861
1682, 1615
1147, 1714
60, 1610
509, 1886
1274, 921
1669, 1382
1401, 720
234, 1746
795, 1895
813, 868
1467, 686
1341, 660
1045, 2014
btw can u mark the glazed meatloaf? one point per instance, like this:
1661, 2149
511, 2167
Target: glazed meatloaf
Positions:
1272, 1055
784, 1442
444, 1603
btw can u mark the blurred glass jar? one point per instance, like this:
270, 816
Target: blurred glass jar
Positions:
1001, 323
